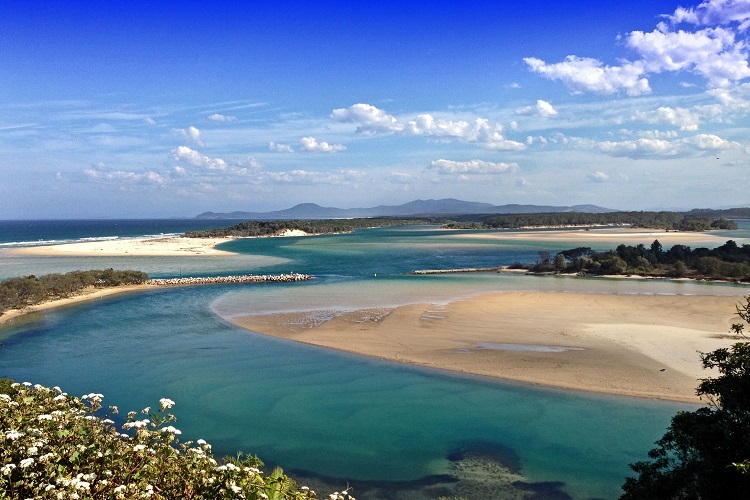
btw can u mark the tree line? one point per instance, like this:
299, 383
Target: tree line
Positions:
20, 292
728, 261
322, 226
674, 221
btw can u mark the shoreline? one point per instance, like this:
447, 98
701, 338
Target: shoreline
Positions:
170, 246
623, 345
152, 283
81, 297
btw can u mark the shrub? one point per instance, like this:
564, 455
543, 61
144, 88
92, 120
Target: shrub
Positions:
53, 445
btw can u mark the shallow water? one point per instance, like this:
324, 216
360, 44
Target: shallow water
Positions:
333, 414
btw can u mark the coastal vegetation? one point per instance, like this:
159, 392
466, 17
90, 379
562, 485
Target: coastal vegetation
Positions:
671, 221
20, 292
323, 226
53, 445
705, 453
728, 261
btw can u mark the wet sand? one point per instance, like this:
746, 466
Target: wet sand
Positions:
633, 345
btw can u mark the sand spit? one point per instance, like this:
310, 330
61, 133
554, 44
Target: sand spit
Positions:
633, 345
158, 247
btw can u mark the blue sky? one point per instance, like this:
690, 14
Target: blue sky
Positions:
158, 109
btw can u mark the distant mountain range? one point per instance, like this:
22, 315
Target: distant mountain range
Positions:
422, 208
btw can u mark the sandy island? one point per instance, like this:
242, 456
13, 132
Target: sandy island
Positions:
633, 345
616, 236
160, 247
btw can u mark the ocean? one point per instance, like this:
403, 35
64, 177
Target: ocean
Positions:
391, 431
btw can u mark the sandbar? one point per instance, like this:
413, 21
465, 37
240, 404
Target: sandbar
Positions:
616, 236
629, 345
156, 247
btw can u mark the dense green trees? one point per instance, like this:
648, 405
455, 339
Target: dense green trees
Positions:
324, 226
704, 454
676, 221
728, 261
17, 293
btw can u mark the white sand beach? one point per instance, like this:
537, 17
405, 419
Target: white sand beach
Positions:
634, 345
616, 236
163, 247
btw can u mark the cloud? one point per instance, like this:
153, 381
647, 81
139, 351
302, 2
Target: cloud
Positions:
311, 177
598, 177
149, 120
583, 74
280, 148
542, 108
191, 134
372, 121
193, 158
714, 52
682, 118
98, 172
216, 117
311, 145
654, 147
713, 12
471, 167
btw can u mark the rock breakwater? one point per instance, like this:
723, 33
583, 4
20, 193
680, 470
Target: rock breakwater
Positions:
247, 278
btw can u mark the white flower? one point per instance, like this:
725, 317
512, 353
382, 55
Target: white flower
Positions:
7, 469
200, 442
171, 430
26, 462
32, 450
139, 447
44, 417
13, 435
166, 403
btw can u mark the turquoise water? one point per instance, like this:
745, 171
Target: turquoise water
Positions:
330, 414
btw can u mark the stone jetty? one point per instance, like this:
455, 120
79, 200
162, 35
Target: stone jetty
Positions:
465, 270
247, 278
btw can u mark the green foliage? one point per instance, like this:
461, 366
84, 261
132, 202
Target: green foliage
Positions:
55, 446
656, 220
704, 454
17, 293
324, 226
729, 261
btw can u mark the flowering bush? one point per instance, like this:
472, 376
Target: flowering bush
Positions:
53, 446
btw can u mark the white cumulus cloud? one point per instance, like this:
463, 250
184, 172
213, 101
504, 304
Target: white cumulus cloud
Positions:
682, 118
584, 74
475, 167
598, 177
713, 12
311, 145
280, 148
542, 108
191, 134
371, 120
194, 158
